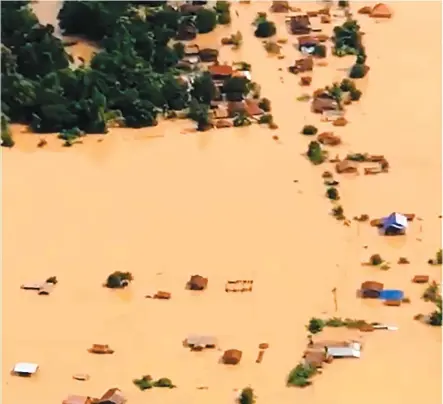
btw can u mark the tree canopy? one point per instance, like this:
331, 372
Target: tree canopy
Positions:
133, 78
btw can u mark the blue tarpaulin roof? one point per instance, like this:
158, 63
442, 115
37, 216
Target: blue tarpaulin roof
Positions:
391, 294
395, 220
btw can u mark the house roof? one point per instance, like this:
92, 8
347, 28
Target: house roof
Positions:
252, 108
74, 399
201, 340
236, 106
25, 367
381, 10
323, 104
372, 285
396, 220
114, 396
315, 359
307, 40
343, 352
391, 294
192, 49
221, 70
221, 113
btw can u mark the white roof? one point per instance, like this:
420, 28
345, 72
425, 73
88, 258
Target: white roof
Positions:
25, 367
401, 219
338, 352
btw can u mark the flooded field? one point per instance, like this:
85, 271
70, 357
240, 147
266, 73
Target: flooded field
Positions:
166, 203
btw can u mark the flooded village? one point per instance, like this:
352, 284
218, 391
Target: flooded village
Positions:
278, 235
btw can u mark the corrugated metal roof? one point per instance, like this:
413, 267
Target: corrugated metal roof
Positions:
344, 352
201, 340
25, 367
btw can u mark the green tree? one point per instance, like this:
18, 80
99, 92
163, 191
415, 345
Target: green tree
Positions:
315, 153
7, 140
247, 396
204, 89
265, 29
315, 325
332, 193
199, 113
206, 20
358, 71
309, 130
92, 19
237, 85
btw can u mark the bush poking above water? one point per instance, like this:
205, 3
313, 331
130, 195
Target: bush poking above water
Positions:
315, 325
164, 383
338, 212
247, 396
375, 259
118, 280
315, 153
300, 375
146, 383
265, 104
358, 71
309, 130
265, 29
332, 193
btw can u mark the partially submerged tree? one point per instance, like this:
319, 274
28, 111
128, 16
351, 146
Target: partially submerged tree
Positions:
7, 140
315, 153
265, 28
315, 325
300, 375
118, 280
247, 396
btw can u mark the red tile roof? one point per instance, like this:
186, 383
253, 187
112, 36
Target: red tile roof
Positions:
221, 70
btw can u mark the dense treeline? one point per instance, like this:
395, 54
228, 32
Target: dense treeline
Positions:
132, 79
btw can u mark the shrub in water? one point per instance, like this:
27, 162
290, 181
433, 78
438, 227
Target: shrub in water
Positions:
347, 85
315, 325
309, 130
247, 396
355, 94
265, 104
320, 51
358, 71
265, 29
266, 119
375, 259
332, 193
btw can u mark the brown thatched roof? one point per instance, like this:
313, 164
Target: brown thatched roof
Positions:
232, 357
346, 166
221, 70
208, 55
197, 282
372, 285
280, 6
323, 104
381, 10
300, 25
113, 396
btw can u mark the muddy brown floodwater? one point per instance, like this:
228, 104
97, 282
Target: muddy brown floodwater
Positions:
165, 204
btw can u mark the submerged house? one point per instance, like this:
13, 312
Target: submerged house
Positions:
307, 43
220, 72
232, 357
344, 352
25, 369
395, 224
371, 289
392, 294
299, 24
113, 396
